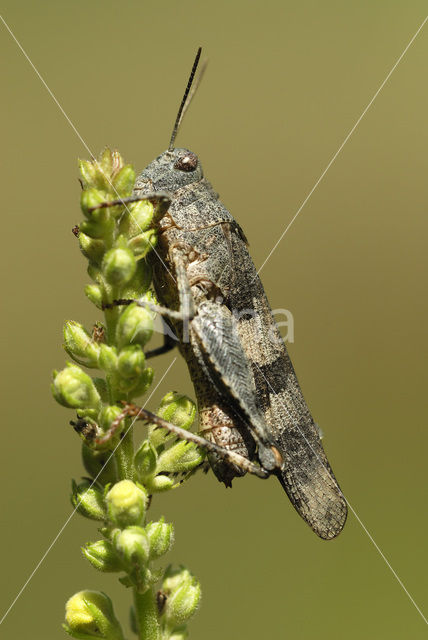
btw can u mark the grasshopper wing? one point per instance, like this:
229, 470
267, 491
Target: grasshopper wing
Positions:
309, 481
230, 370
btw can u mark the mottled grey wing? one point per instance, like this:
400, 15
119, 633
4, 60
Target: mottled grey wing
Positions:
309, 481
228, 365
306, 475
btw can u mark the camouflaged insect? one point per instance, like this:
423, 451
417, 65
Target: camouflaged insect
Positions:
250, 402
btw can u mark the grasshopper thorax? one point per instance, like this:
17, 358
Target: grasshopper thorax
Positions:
170, 171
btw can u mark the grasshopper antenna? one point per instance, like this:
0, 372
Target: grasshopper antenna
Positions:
188, 95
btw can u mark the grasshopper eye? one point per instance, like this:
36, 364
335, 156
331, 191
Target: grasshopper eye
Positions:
187, 163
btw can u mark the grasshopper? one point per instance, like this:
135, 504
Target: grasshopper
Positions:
253, 416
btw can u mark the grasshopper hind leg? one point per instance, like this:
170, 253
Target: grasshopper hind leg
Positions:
219, 427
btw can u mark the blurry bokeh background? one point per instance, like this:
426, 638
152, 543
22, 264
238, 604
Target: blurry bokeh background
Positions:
285, 84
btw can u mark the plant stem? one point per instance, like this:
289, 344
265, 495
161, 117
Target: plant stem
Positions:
146, 612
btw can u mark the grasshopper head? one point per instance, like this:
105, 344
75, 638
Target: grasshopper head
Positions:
170, 171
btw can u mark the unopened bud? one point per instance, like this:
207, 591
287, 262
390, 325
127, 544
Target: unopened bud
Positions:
183, 595
91, 198
99, 464
107, 359
89, 614
178, 409
133, 545
126, 504
131, 362
88, 500
135, 326
137, 218
94, 293
88, 173
107, 416
124, 180
92, 248
145, 460
103, 556
73, 388
181, 457
143, 243
119, 266
79, 344
159, 483
161, 538
175, 408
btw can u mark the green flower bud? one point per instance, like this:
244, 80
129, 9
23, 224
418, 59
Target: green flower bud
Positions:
80, 345
161, 538
73, 388
89, 614
88, 500
140, 282
145, 460
184, 593
174, 578
136, 219
92, 248
133, 545
136, 386
88, 173
105, 162
95, 294
181, 457
106, 417
124, 180
143, 243
107, 358
175, 408
90, 198
117, 162
100, 225
103, 556
131, 362
99, 464
178, 409
126, 504
159, 483
119, 266
135, 326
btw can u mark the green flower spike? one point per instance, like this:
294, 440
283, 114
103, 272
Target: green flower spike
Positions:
115, 241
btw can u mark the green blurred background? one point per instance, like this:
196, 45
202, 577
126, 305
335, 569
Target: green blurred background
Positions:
286, 82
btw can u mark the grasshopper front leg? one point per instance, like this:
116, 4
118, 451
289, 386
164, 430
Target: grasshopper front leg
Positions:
132, 410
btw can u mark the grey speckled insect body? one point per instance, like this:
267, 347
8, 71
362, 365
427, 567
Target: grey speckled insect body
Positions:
249, 399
